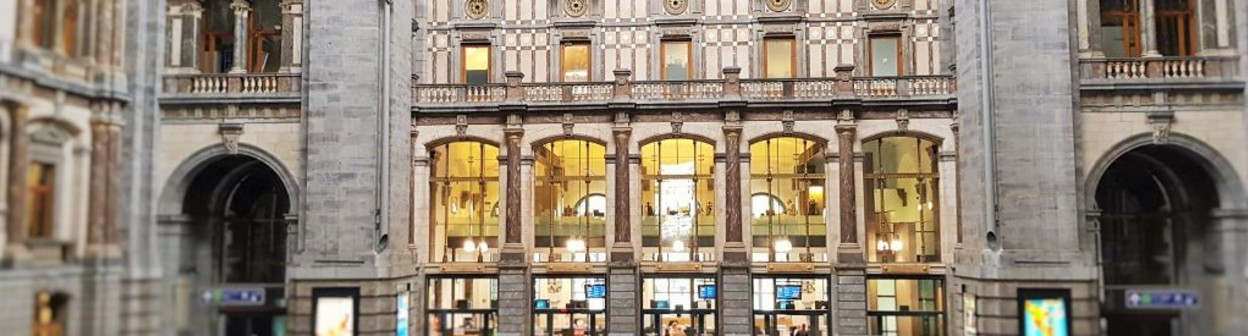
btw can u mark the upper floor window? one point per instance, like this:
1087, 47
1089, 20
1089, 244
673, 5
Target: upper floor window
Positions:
885, 56
43, 12
677, 196
779, 57
570, 191
1120, 28
476, 64
41, 199
676, 57
464, 193
787, 199
262, 37
902, 201
576, 60
1176, 34
69, 28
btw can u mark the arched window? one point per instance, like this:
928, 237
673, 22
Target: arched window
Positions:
902, 200
678, 199
464, 195
569, 187
787, 206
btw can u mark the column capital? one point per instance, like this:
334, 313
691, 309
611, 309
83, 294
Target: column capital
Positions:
240, 6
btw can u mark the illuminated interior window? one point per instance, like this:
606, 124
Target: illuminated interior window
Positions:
905, 307
677, 200
50, 309
41, 204
885, 56
787, 199
464, 193
576, 61
69, 29
903, 200
462, 306
1120, 28
43, 12
676, 60
778, 57
570, 188
476, 64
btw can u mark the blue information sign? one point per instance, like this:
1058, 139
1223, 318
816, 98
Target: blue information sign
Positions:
240, 297
595, 291
1162, 299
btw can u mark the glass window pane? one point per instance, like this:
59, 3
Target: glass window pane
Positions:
576, 62
465, 197
884, 55
678, 197
476, 64
778, 54
571, 203
676, 60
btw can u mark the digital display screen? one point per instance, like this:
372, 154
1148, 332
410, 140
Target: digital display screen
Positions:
788, 292
785, 305
595, 291
661, 304
1045, 317
541, 304
706, 292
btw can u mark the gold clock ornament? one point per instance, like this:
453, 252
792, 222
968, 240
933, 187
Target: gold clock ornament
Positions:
884, 4
477, 9
675, 7
575, 8
778, 5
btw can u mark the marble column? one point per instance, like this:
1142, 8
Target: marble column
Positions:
514, 286
623, 198
292, 35
513, 237
1148, 35
849, 208
98, 203
242, 13
624, 279
851, 279
735, 299
18, 161
732, 184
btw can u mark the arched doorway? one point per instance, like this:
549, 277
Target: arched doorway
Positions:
1156, 235
235, 209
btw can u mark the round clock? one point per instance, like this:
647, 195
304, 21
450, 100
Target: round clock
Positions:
675, 7
477, 9
575, 8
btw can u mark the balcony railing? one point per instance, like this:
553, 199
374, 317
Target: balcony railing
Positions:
731, 87
227, 84
1147, 68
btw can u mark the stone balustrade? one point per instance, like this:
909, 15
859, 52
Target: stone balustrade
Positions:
1150, 68
231, 85
730, 87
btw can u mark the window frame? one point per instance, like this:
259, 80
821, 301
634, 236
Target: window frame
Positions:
489, 61
941, 296
694, 248
1132, 31
771, 162
792, 40
688, 43
871, 177
41, 201
897, 38
542, 180
443, 181
589, 59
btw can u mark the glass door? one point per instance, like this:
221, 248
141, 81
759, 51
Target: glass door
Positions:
569, 306
462, 306
679, 305
788, 306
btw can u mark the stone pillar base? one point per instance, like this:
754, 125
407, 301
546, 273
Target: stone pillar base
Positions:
16, 254
735, 301
514, 289
851, 300
624, 292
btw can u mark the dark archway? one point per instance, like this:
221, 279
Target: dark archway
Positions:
1156, 203
237, 210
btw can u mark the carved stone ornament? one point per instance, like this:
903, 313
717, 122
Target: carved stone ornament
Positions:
787, 120
779, 5
622, 119
903, 120
513, 120
230, 132
883, 4
461, 125
477, 9
567, 124
676, 7
1161, 122
678, 121
575, 8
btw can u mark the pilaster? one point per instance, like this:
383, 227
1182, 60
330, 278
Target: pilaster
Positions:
1148, 36
15, 250
513, 243
850, 251
292, 36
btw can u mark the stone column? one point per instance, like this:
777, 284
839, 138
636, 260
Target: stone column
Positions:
513, 245
623, 278
851, 280
18, 160
732, 185
735, 297
97, 205
1148, 35
292, 36
514, 287
242, 12
623, 199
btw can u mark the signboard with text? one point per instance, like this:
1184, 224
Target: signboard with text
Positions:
1162, 299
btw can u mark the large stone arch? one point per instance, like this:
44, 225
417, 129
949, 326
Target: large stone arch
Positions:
1231, 188
173, 193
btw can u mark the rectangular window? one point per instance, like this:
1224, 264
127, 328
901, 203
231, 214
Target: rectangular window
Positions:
676, 56
576, 59
476, 63
69, 29
41, 182
1176, 35
44, 14
778, 58
885, 56
1120, 28
905, 307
